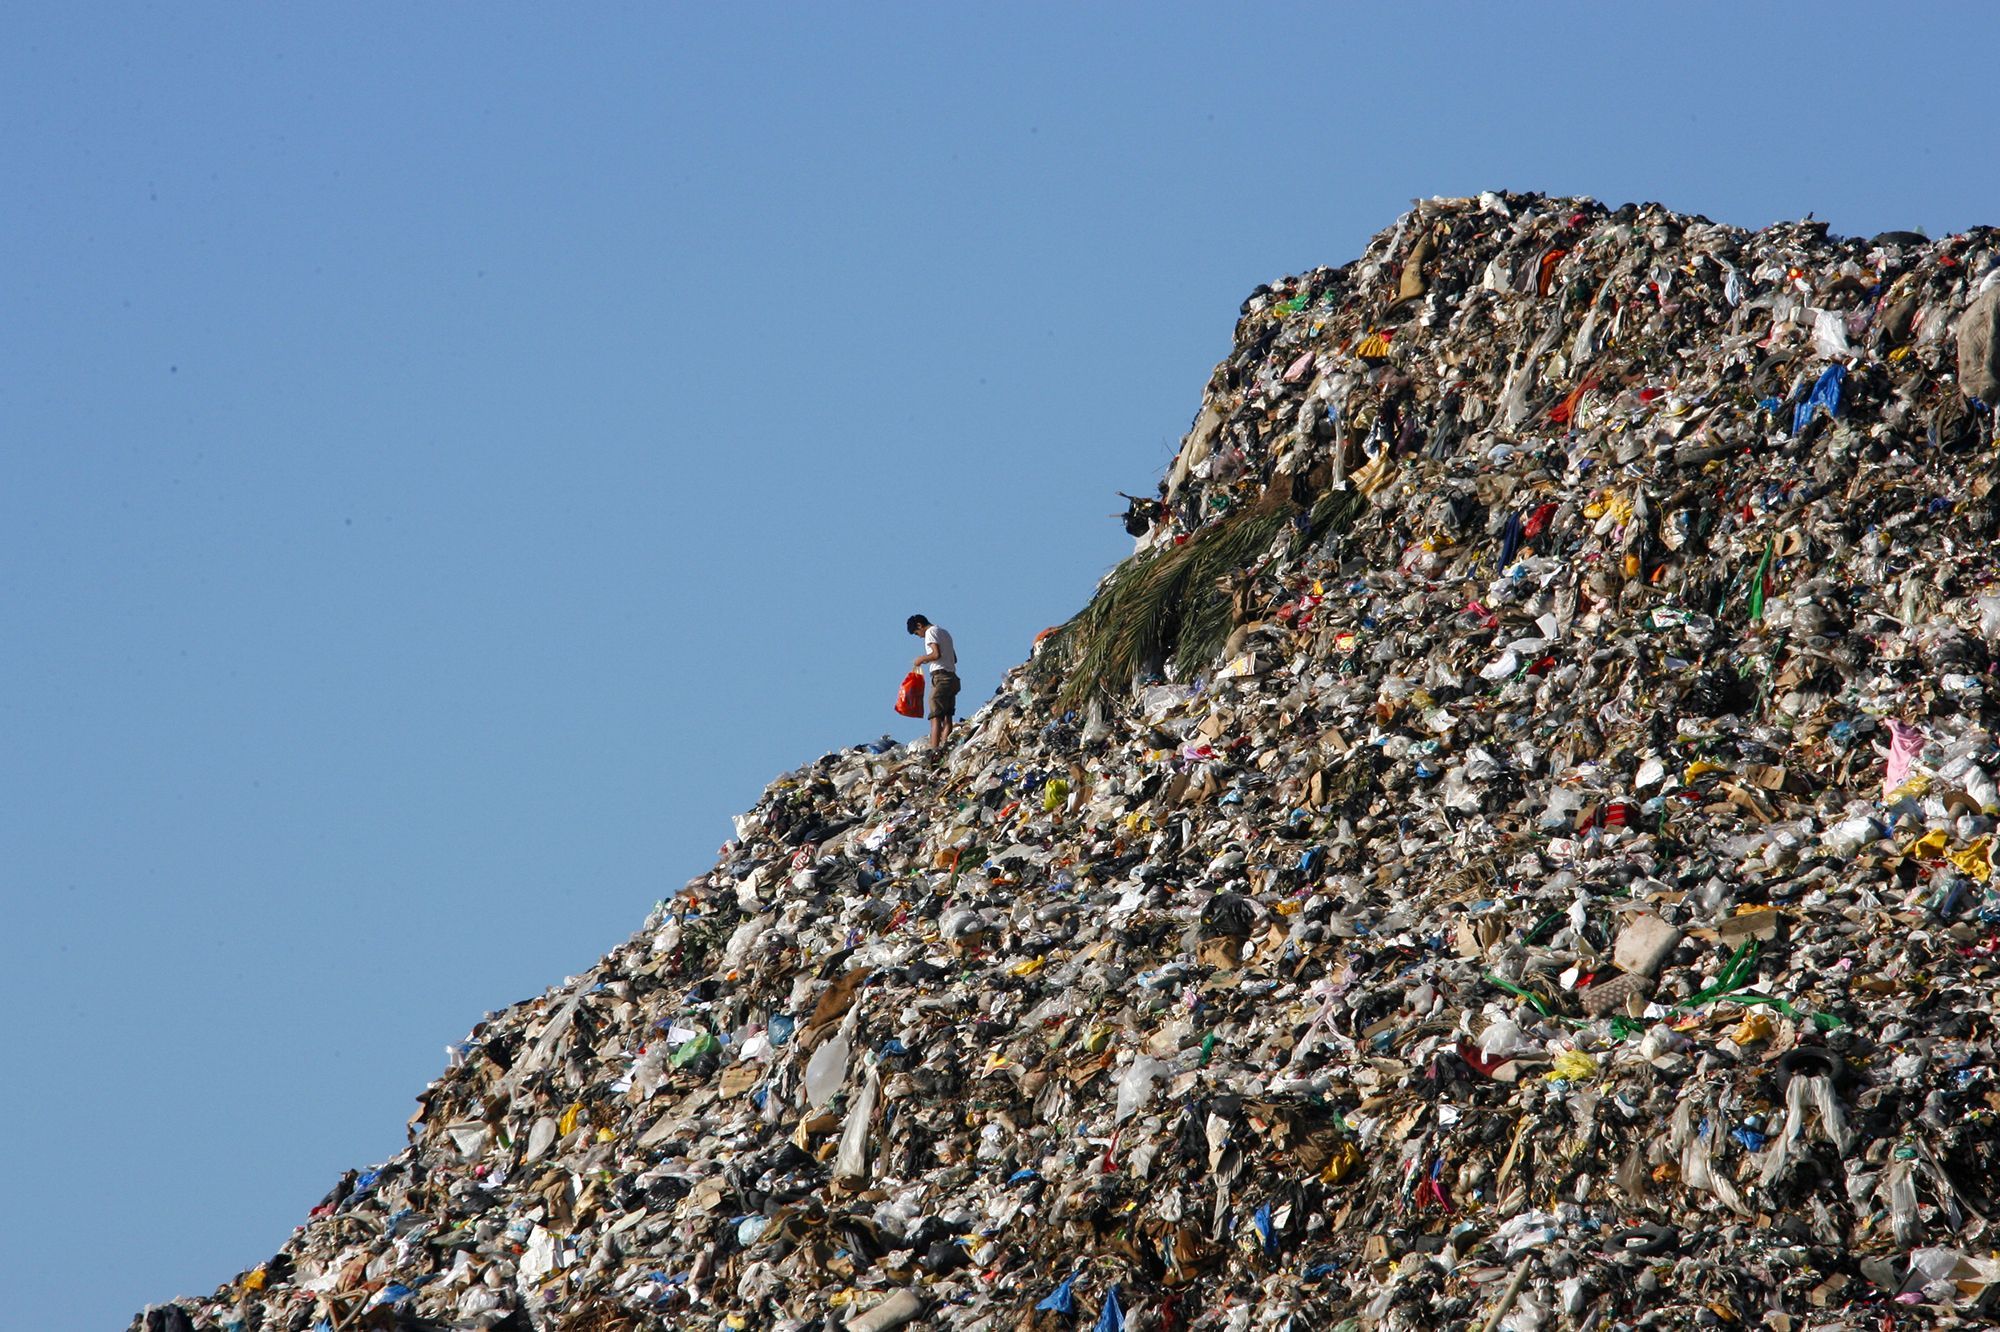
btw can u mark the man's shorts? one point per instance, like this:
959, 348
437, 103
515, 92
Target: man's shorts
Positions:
944, 695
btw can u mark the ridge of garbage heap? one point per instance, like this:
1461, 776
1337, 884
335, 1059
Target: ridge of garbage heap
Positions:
1512, 848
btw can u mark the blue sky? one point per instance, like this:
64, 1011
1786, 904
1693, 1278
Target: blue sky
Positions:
454, 456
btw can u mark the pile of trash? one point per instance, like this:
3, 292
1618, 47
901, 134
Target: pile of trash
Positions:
1513, 848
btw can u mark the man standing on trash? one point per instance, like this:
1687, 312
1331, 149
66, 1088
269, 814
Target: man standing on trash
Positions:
942, 658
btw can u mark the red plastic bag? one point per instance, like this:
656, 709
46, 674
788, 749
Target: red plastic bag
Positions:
910, 698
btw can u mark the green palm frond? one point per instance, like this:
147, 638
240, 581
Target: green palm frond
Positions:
1170, 606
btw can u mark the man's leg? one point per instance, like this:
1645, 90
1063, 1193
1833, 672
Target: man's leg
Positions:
944, 706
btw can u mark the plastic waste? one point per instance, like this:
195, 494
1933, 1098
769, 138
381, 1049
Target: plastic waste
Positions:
1455, 875
826, 1071
1135, 1085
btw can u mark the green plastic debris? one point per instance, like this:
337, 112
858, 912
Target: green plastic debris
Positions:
694, 1049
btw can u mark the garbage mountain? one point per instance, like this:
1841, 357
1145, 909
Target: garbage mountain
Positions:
1512, 848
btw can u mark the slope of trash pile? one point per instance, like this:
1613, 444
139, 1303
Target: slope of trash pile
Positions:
1512, 849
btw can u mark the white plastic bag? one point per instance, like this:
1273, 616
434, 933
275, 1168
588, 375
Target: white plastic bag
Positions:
826, 1071
1135, 1085
850, 1163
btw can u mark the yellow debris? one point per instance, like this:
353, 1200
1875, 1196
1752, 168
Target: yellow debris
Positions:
1754, 1027
1976, 859
1928, 847
1572, 1066
1342, 1162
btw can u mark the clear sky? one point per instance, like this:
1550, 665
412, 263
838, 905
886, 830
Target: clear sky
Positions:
455, 455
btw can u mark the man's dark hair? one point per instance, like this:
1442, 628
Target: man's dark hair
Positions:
917, 622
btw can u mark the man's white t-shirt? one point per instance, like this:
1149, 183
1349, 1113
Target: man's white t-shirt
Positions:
947, 658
